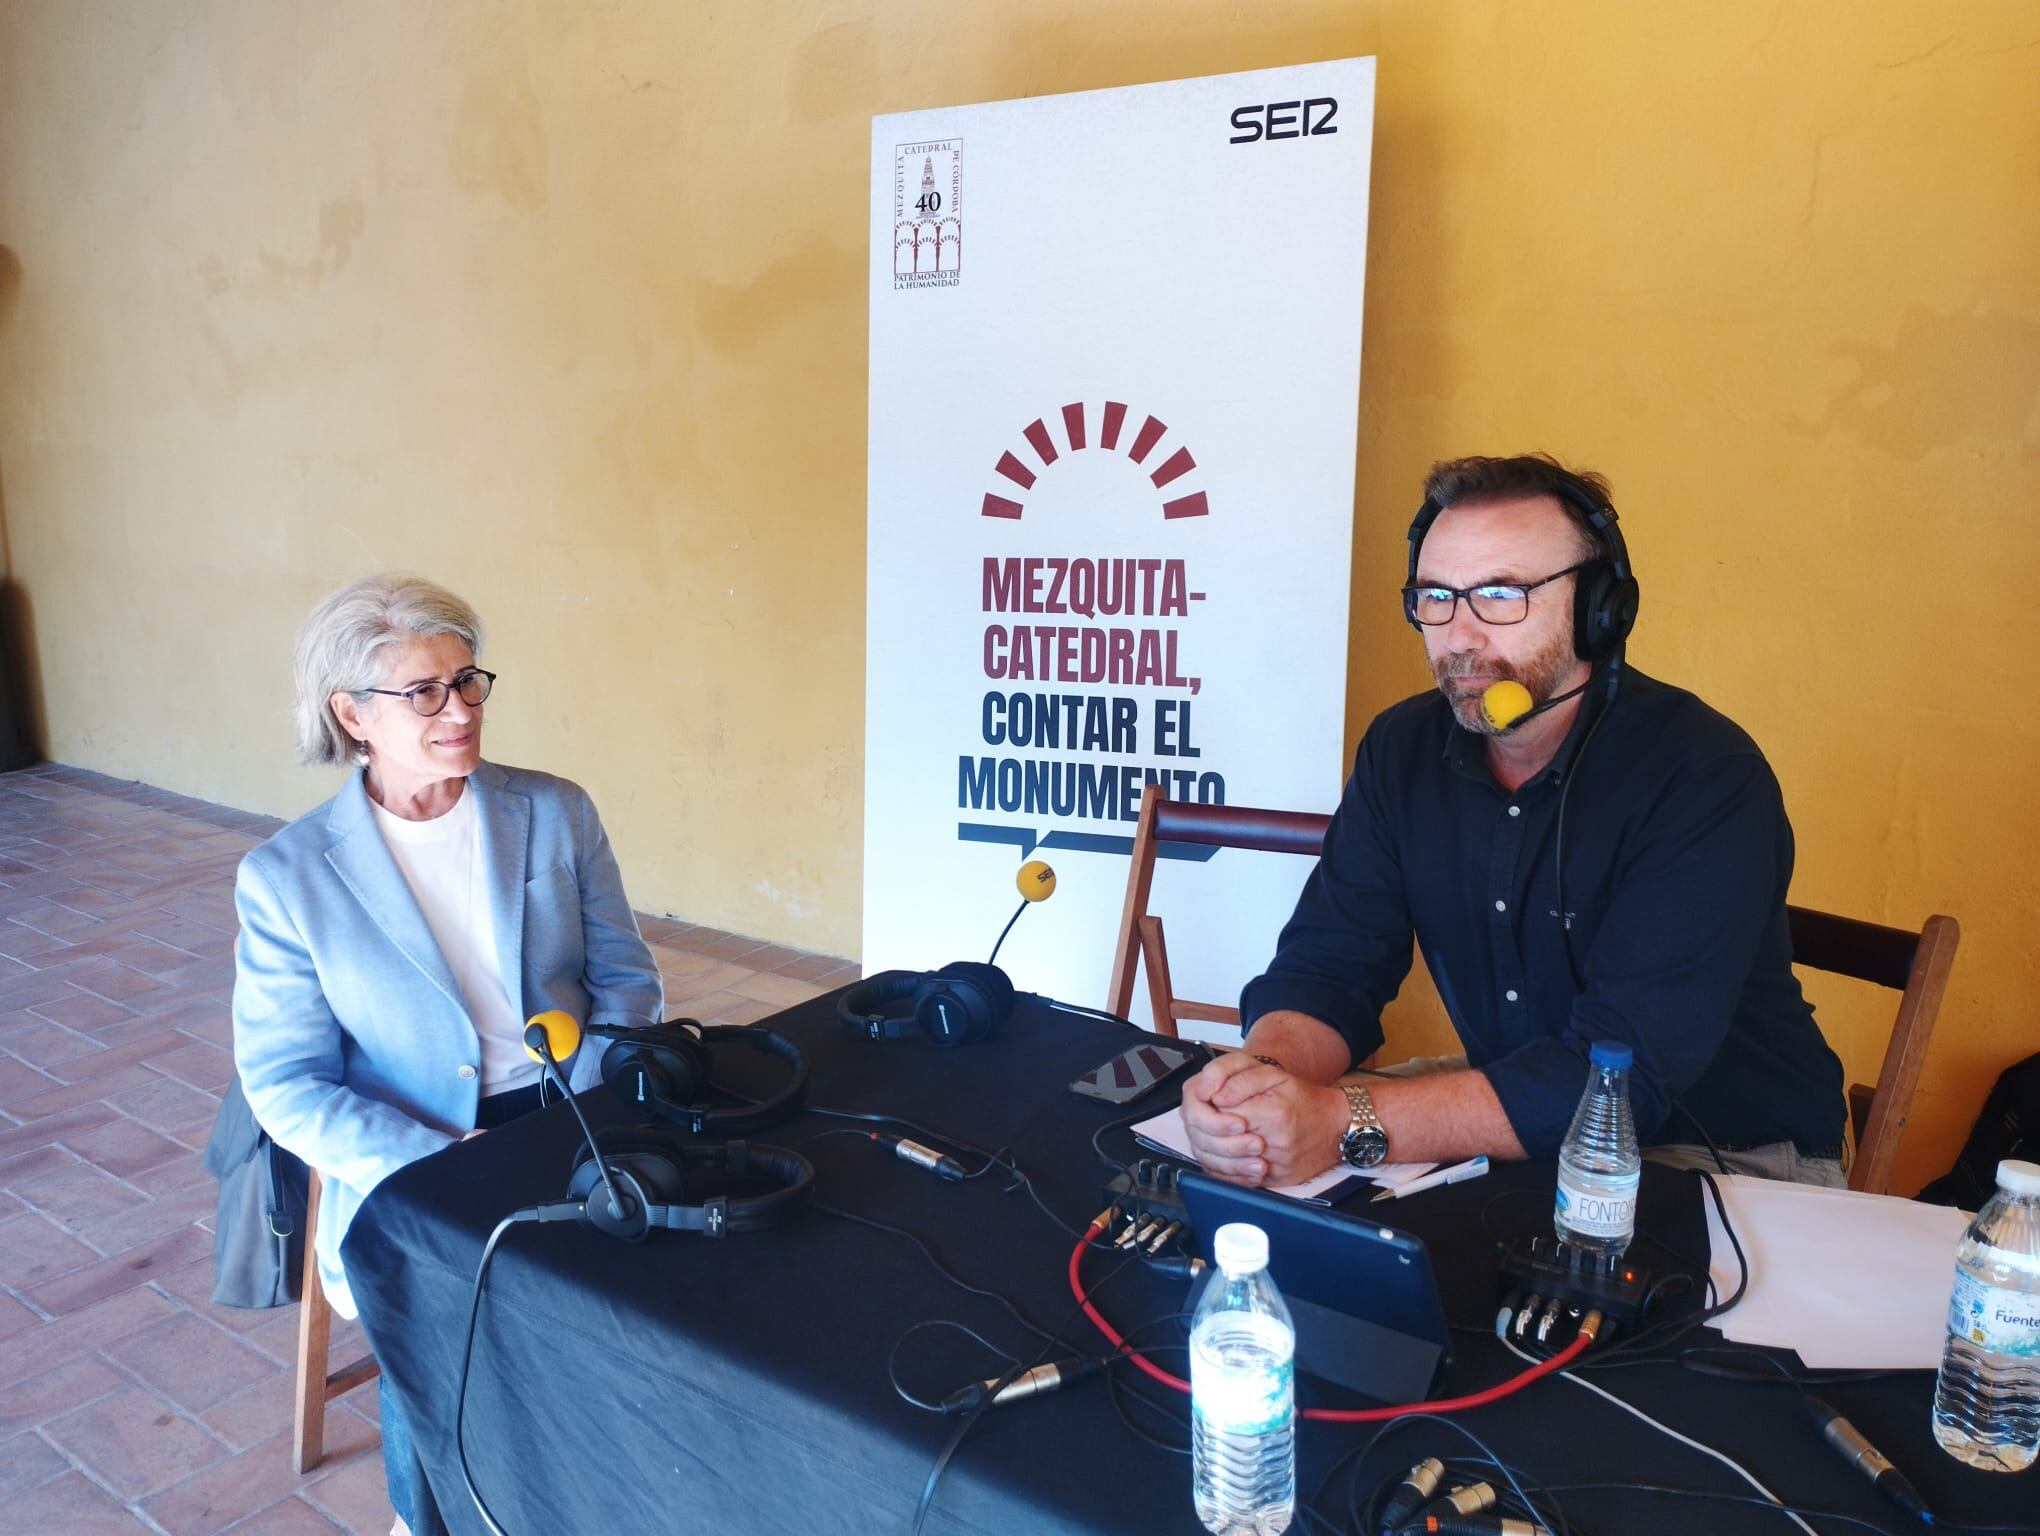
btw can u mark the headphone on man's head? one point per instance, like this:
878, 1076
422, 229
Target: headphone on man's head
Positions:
963, 1002
1604, 593
669, 1069
650, 1169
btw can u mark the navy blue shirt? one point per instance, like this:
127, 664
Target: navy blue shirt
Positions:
1677, 859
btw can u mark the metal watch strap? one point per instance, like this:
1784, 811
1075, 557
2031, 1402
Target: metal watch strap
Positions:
1365, 1142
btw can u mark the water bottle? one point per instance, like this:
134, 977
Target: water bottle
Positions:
1599, 1166
1987, 1401
1243, 1393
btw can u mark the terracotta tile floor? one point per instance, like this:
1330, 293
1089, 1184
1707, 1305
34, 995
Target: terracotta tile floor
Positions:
128, 1402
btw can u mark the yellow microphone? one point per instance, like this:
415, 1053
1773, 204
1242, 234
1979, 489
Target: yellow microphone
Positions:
561, 1033
1505, 703
1036, 881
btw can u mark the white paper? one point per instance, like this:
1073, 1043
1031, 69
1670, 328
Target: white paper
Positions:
1167, 1133
1850, 1281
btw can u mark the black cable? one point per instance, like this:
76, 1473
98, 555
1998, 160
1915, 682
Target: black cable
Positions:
994, 960
1691, 1359
1092, 1013
1667, 1333
1572, 774
956, 1439
1694, 1120
1803, 1511
893, 1356
616, 1205
467, 1351
1003, 1158
942, 1269
1356, 1454
955, 1442
1118, 1386
1552, 1517
1118, 1125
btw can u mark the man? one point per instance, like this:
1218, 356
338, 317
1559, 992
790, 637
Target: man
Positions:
1653, 822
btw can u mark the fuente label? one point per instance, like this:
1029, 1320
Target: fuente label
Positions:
1995, 1318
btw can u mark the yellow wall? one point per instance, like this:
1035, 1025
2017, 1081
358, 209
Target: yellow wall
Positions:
563, 304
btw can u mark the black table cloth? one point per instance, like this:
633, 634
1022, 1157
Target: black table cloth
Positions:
740, 1384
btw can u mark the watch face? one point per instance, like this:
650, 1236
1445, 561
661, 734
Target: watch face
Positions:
1364, 1146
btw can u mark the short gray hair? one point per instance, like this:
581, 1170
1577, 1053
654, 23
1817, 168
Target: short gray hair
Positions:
341, 639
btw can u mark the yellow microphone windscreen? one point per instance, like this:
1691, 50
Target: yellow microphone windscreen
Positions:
1505, 702
562, 1034
1036, 881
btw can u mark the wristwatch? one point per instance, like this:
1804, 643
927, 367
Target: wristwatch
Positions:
1365, 1143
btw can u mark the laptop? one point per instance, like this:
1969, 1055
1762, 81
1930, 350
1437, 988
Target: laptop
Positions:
1363, 1297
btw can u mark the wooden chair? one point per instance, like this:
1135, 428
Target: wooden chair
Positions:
316, 1386
1163, 820
1914, 965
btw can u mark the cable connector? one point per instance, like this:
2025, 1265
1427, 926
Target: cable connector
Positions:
1043, 1378
1181, 1266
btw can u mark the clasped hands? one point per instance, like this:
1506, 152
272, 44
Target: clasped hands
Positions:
1257, 1123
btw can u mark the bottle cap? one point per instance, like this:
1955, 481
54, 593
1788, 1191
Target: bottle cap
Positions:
1240, 1248
1611, 1053
2017, 1178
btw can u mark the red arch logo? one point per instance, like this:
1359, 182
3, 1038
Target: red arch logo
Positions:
1112, 422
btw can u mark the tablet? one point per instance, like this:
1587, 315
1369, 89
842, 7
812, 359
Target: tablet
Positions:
1363, 1297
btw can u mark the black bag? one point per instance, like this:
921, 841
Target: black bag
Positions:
259, 1238
2008, 1126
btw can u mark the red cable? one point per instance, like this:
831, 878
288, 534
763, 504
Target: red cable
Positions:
1516, 1383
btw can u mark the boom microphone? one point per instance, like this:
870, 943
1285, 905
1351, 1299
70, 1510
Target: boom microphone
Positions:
544, 1036
1035, 882
1506, 704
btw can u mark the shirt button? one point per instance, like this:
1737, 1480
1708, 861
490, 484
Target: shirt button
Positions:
466, 1071
1510, 995
1515, 810
1501, 906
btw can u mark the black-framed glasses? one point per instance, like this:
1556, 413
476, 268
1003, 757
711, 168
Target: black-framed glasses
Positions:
1492, 602
430, 698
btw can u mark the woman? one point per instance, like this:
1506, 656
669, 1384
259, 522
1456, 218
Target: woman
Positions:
394, 941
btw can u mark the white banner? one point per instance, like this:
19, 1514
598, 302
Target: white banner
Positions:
1115, 371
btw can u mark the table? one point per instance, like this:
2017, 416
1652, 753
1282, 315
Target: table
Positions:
740, 1384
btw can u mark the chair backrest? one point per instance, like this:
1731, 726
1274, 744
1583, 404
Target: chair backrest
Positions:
1914, 965
1163, 820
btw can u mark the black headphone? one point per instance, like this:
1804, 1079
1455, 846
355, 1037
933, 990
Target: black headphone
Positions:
964, 1001
649, 1167
669, 1069
1604, 594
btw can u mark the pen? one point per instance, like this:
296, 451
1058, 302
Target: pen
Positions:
1472, 1168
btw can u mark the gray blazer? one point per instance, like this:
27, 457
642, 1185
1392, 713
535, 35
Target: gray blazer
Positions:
354, 1047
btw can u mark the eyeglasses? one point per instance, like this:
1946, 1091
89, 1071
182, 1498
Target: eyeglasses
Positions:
1492, 602
430, 698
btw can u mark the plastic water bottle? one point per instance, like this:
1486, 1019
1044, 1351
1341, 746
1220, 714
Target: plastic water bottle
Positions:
1987, 1401
1599, 1165
1243, 1393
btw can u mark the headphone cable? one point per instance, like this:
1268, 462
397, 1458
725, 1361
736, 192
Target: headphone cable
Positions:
467, 1354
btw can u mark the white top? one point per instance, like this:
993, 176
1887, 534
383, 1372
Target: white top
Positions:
1240, 1248
2018, 1178
442, 863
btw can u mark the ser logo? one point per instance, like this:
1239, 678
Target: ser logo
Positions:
1284, 120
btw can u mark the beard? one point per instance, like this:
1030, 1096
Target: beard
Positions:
1463, 676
